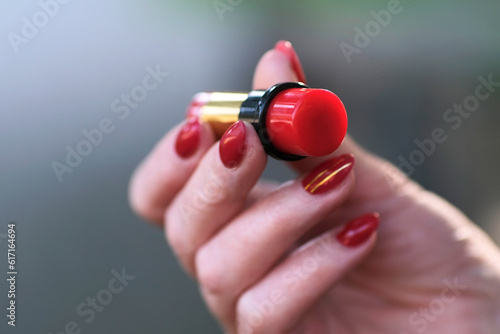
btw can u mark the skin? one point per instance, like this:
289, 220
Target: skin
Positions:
267, 260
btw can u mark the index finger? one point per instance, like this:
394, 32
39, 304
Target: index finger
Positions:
166, 169
274, 67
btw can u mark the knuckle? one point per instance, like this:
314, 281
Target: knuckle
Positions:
149, 215
141, 204
177, 239
174, 234
209, 273
205, 197
244, 310
147, 192
216, 189
250, 319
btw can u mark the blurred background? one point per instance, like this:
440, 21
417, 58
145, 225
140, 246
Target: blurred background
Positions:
63, 67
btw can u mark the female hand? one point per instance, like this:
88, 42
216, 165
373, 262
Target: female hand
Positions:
306, 256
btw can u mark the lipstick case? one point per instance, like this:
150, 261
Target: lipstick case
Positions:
292, 120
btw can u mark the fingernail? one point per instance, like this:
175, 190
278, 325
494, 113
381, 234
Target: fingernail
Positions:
359, 230
328, 175
188, 139
232, 145
287, 48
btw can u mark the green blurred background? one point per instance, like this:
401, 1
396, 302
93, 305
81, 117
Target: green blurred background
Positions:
63, 80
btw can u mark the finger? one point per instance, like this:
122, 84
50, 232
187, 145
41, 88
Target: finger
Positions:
261, 189
261, 235
278, 68
377, 178
151, 189
215, 193
279, 301
164, 171
376, 174
274, 67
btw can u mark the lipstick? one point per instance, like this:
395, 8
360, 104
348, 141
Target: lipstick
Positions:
292, 120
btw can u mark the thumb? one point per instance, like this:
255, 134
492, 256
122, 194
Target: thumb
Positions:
375, 176
280, 64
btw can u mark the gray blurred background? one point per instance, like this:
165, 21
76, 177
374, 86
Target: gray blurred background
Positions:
64, 78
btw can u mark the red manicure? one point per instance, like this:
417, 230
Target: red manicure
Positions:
359, 230
287, 48
188, 139
232, 145
328, 175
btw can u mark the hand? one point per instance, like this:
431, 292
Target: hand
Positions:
280, 259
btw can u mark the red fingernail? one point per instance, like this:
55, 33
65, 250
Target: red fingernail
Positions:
287, 48
232, 145
328, 175
359, 230
188, 139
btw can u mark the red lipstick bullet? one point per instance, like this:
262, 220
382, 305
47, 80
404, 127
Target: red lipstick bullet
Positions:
292, 120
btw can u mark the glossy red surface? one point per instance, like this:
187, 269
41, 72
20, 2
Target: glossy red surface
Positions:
308, 122
188, 139
287, 48
328, 175
358, 231
232, 146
